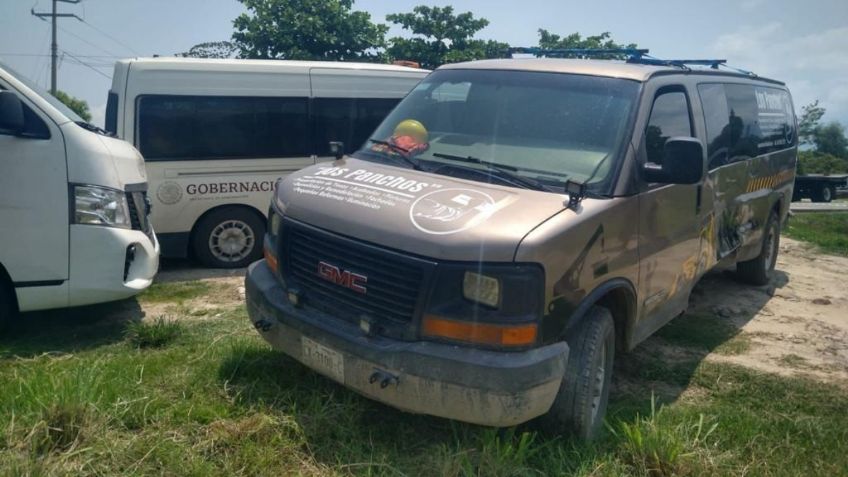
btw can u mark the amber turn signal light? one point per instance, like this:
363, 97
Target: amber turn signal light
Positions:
481, 333
271, 260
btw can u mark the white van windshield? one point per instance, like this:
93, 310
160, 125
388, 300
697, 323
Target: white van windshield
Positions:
546, 126
66, 111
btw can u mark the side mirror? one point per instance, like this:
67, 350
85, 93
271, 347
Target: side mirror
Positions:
337, 149
683, 163
11, 114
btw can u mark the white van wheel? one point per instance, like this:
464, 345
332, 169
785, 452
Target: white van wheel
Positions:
7, 306
230, 237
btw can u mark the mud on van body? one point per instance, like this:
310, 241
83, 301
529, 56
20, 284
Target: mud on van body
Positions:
514, 224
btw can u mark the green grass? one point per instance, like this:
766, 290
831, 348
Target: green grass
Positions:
153, 334
168, 292
828, 231
217, 401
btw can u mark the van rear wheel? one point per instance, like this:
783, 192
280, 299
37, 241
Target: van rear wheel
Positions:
759, 270
581, 404
230, 237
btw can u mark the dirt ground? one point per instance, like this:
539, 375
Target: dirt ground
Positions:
797, 325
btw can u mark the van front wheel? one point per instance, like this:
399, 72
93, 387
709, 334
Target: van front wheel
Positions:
7, 307
758, 271
230, 237
581, 403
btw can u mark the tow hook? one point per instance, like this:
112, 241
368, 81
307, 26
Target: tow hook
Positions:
263, 325
384, 377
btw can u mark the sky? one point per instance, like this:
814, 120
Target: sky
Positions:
804, 43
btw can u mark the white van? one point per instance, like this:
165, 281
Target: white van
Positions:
73, 204
217, 134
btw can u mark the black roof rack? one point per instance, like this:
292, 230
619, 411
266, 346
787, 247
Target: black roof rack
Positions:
630, 55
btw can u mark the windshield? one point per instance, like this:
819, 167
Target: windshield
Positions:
549, 127
66, 111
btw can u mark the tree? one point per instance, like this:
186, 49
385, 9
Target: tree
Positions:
551, 41
78, 106
812, 162
811, 114
830, 139
307, 30
440, 36
211, 49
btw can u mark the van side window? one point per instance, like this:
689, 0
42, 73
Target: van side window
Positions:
669, 118
111, 123
744, 128
716, 118
349, 120
198, 127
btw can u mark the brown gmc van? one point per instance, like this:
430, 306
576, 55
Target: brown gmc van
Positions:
512, 224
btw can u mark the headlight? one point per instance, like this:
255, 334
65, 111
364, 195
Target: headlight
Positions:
101, 206
482, 289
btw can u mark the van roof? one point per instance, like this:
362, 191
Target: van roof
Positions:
178, 63
610, 68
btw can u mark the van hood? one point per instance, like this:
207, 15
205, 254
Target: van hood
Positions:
425, 214
101, 160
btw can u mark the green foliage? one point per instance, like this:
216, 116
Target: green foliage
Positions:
830, 139
211, 49
78, 106
551, 41
811, 114
814, 162
652, 446
307, 30
440, 36
154, 334
828, 231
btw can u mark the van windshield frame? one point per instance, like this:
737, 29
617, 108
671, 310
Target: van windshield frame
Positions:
546, 126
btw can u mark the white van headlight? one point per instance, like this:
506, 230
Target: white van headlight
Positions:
101, 206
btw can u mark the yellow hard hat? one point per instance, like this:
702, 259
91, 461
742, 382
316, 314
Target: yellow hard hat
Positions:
414, 129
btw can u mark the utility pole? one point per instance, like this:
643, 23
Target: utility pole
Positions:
54, 46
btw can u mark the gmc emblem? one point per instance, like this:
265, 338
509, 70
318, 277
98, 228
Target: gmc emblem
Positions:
345, 278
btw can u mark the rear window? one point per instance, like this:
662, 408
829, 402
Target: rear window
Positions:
200, 127
745, 121
112, 113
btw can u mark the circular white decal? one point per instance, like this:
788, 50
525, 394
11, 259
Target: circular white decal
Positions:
169, 193
448, 211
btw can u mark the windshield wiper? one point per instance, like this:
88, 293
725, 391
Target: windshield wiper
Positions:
93, 128
505, 171
403, 152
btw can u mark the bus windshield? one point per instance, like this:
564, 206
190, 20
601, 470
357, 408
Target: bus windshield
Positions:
549, 127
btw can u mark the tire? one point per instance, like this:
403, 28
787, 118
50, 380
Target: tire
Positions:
581, 403
229, 237
758, 271
823, 194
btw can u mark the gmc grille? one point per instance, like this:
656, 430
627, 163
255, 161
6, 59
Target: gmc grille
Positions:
395, 281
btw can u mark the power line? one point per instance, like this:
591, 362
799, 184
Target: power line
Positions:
48, 55
111, 37
83, 63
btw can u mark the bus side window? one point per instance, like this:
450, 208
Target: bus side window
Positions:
669, 118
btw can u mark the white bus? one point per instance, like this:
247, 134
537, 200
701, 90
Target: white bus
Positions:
217, 134
73, 207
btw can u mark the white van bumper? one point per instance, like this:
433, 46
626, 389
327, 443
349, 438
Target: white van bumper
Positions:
110, 264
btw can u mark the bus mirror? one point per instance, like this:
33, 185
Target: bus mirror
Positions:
683, 163
337, 149
11, 114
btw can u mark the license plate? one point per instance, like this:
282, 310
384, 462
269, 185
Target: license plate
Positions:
323, 359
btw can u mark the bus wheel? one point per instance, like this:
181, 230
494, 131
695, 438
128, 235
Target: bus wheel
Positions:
758, 271
581, 403
230, 237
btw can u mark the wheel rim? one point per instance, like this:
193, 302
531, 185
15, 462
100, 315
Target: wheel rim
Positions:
231, 241
770, 250
598, 382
